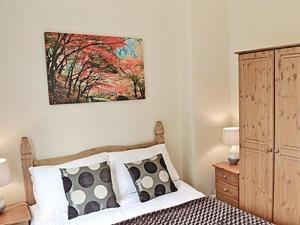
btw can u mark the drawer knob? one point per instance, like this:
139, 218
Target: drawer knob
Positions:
225, 190
225, 177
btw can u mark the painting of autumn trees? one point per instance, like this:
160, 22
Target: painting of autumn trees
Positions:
92, 68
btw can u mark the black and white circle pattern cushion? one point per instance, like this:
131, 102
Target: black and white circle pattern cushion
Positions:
88, 189
151, 177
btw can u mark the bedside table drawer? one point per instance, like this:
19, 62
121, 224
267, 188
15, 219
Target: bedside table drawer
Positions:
227, 183
227, 177
227, 190
228, 200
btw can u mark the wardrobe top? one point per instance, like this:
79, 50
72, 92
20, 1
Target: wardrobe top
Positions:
268, 48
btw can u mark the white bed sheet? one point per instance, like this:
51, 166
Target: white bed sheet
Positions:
130, 207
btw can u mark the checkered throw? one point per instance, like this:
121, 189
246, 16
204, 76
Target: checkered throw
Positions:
204, 211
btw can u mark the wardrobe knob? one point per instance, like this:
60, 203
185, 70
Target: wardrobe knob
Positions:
225, 177
225, 190
276, 150
270, 150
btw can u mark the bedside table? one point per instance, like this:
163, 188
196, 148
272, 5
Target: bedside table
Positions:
15, 214
227, 183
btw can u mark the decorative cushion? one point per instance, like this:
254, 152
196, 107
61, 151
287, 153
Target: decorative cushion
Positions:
88, 189
122, 182
151, 177
50, 196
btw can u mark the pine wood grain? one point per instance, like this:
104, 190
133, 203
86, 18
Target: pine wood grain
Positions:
287, 133
227, 167
228, 190
228, 200
268, 48
227, 176
256, 97
15, 214
275, 111
227, 183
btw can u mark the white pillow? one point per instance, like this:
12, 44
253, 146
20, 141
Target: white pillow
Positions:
122, 182
48, 186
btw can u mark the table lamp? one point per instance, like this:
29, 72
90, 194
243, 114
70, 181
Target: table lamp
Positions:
5, 179
231, 138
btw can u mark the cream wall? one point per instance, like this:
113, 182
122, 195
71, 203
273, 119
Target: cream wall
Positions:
256, 24
218, 29
208, 90
64, 129
187, 82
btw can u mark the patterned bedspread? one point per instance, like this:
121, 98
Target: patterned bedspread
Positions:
202, 211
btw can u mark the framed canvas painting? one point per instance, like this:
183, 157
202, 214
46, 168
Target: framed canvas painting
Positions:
92, 68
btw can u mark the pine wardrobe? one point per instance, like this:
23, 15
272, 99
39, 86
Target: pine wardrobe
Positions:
269, 108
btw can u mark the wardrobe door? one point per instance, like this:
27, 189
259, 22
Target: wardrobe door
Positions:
287, 137
256, 83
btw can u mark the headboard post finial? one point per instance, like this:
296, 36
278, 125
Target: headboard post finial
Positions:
27, 162
159, 132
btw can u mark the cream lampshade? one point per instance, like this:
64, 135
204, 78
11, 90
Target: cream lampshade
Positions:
231, 138
5, 179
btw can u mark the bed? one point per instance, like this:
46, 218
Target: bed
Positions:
185, 206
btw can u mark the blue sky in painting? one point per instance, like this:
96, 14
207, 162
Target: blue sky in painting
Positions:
129, 50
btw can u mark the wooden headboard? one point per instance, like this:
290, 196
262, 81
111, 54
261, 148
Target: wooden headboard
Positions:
28, 157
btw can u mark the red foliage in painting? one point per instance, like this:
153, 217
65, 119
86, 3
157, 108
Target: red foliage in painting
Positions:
83, 68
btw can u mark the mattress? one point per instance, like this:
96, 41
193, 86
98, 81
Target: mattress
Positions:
130, 207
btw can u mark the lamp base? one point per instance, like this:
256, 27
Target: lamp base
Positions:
233, 161
2, 204
233, 156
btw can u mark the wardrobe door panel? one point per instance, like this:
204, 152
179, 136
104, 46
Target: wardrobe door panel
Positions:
256, 83
287, 137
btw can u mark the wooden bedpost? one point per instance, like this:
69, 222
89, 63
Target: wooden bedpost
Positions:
159, 132
27, 161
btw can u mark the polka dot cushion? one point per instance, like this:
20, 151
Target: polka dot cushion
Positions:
88, 189
151, 177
